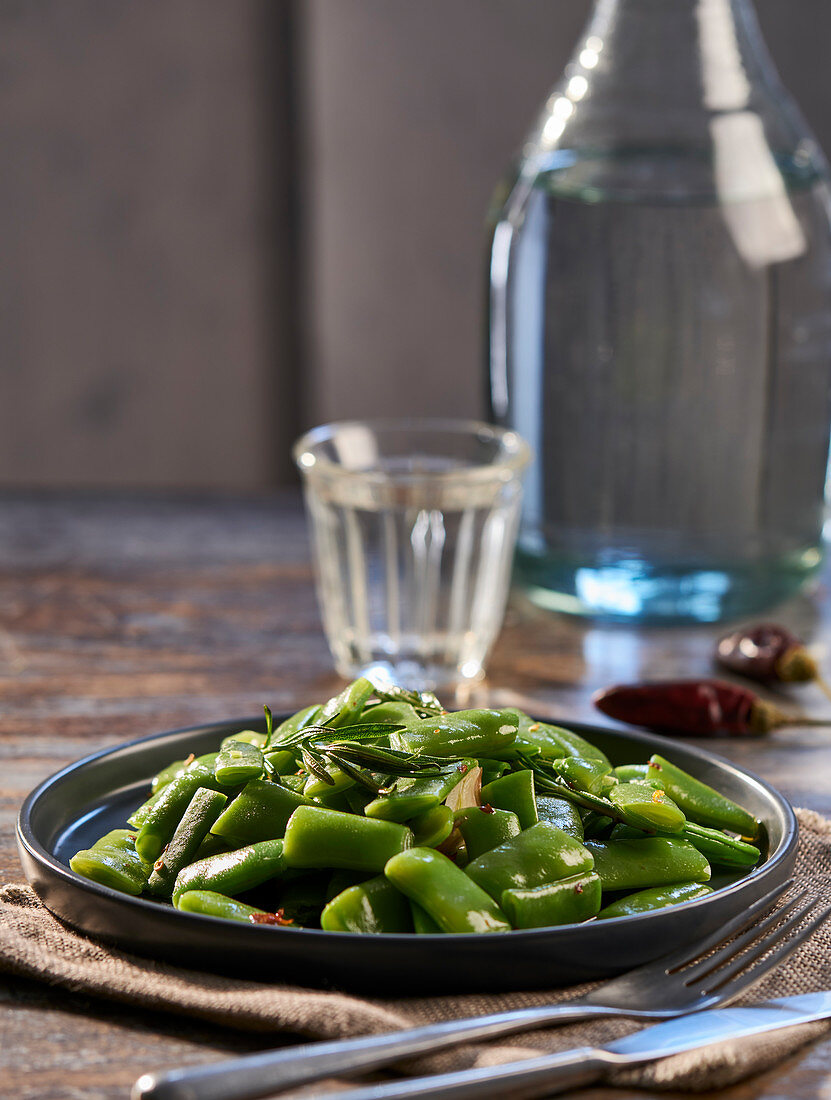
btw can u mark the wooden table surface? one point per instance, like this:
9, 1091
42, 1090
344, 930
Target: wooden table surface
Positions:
123, 616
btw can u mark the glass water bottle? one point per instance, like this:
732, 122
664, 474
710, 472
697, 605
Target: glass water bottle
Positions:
660, 322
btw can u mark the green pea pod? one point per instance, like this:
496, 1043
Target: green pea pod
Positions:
248, 737
345, 709
208, 903
567, 901
625, 773
409, 797
720, 849
396, 714
540, 854
203, 810
167, 775
659, 897
286, 730
645, 807
701, 803
318, 788
342, 880
556, 811
113, 861
294, 783
237, 762
374, 906
514, 792
259, 812
279, 762
596, 826
234, 872
483, 828
317, 837
461, 733
553, 742
423, 923
493, 769
653, 861
161, 821
445, 892
586, 774
432, 827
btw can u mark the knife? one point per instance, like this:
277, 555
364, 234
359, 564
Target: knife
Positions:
554, 1073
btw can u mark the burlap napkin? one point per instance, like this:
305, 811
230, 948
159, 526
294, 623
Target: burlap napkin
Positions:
36, 945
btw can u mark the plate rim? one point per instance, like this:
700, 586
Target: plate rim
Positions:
27, 839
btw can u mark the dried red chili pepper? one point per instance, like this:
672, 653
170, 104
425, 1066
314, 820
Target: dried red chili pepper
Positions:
770, 654
696, 708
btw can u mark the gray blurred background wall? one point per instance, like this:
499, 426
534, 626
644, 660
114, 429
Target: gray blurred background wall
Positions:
222, 222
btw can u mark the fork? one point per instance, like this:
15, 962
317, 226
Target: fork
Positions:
687, 980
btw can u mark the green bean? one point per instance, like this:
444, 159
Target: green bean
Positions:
460, 733
234, 872
513, 792
113, 861
237, 762
484, 828
566, 901
259, 812
409, 797
317, 837
540, 854
445, 892
644, 901
653, 861
203, 810
374, 906
703, 804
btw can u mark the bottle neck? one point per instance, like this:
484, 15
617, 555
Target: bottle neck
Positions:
690, 53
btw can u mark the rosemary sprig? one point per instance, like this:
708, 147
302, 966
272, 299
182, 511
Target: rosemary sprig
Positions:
425, 702
547, 780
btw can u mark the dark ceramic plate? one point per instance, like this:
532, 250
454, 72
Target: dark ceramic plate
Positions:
77, 805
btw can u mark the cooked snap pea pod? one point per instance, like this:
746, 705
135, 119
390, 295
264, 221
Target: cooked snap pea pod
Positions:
203, 810
432, 827
567, 901
461, 733
484, 828
161, 821
317, 837
248, 737
659, 897
374, 906
445, 892
556, 811
653, 861
396, 714
234, 872
553, 742
113, 861
514, 792
646, 807
700, 802
167, 775
237, 762
409, 797
318, 788
211, 904
259, 812
720, 849
279, 762
293, 725
345, 709
540, 854
625, 773
493, 769
586, 774
423, 923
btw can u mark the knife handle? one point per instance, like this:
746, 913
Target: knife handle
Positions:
532, 1077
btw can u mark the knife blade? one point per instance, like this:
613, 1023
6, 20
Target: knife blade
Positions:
552, 1073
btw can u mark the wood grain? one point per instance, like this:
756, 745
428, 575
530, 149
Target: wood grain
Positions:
122, 616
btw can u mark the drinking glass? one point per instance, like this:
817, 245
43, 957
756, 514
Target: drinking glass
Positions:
413, 528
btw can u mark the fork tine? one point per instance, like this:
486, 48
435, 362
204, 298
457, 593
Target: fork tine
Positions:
689, 954
751, 935
750, 971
